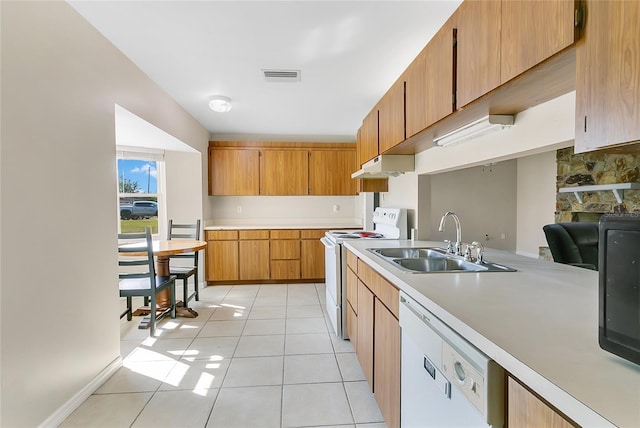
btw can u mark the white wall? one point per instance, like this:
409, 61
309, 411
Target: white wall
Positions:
59, 302
484, 198
536, 200
284, 207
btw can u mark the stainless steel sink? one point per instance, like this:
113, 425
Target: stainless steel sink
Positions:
410, 253
442, 264
433, 260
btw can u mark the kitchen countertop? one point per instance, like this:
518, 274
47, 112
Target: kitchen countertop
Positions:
539, 323
295, 223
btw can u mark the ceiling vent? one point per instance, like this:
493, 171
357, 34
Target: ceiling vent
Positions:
281, 75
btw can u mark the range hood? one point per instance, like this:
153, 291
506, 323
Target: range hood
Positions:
385, 166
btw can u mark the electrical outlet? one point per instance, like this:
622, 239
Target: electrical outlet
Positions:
239, 209
336, 208
503, 236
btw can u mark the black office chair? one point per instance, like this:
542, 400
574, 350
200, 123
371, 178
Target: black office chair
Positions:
138, 279
186, 231
574, 243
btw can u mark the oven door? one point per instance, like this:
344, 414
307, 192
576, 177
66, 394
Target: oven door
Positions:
333, 283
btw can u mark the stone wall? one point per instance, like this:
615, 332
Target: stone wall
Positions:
595, 168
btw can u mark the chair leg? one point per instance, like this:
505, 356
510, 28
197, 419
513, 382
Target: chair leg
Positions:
195, 282
152, 317
185, 291
172, 294
129, 309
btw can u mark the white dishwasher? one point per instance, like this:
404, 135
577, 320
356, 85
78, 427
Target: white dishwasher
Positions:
445, 381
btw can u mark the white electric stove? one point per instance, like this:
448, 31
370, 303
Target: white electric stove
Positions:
388, 223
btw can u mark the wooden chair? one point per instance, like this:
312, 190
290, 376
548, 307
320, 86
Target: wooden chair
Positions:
138, 279
185, 231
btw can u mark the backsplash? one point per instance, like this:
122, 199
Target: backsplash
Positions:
595, 168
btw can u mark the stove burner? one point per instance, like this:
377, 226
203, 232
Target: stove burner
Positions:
362, 235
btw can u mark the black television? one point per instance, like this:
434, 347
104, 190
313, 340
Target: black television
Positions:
619, 285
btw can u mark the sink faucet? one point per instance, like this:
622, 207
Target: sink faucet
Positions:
458, 245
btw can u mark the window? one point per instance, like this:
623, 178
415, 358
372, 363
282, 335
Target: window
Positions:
139, 190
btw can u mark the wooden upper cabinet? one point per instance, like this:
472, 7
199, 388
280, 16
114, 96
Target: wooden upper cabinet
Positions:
532, 31
478, 49
234, 172
330, 172
429, 82
284, 172
608, 76
367, 143
391, 117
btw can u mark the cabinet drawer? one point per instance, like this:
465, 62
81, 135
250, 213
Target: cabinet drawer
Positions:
220, 235
285, 249
383, 289
285, 269
312, 233
352, 261
285, 234
254, 234
388, 295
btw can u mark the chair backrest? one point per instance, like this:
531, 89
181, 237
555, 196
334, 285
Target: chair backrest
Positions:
127, 261
184, 231
573, 243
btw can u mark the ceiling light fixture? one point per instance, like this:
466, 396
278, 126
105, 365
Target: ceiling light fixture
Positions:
220, 103
484, 126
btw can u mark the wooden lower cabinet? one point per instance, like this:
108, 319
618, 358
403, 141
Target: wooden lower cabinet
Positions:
222, 261
386, 367
264, 255
311, 254
372, 322
222, 255
364, 346
525, 409
253, 254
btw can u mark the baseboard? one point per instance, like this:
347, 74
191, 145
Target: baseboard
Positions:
74, 402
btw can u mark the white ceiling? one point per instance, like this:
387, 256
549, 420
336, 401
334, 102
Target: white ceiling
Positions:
349, 53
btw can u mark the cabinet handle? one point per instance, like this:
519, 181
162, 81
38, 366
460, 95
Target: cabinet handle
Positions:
580, 16
585, 124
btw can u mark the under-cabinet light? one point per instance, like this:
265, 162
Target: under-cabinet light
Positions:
484, 126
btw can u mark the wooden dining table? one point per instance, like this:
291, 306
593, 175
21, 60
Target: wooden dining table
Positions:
163, 250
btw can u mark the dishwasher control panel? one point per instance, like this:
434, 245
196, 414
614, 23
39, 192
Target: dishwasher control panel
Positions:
464, 376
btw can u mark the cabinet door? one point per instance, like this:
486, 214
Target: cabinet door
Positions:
429, 82
234, 171
311, 259
330, 172
532, 31
391, 117
284, 172
222, 261
364, 345
608, 76
386, 356
367, 144
254, 259
478, 49
527, 410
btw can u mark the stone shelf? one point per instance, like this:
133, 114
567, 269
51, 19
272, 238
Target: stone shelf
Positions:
617, 189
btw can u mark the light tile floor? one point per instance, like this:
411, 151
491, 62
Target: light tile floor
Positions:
256, 356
